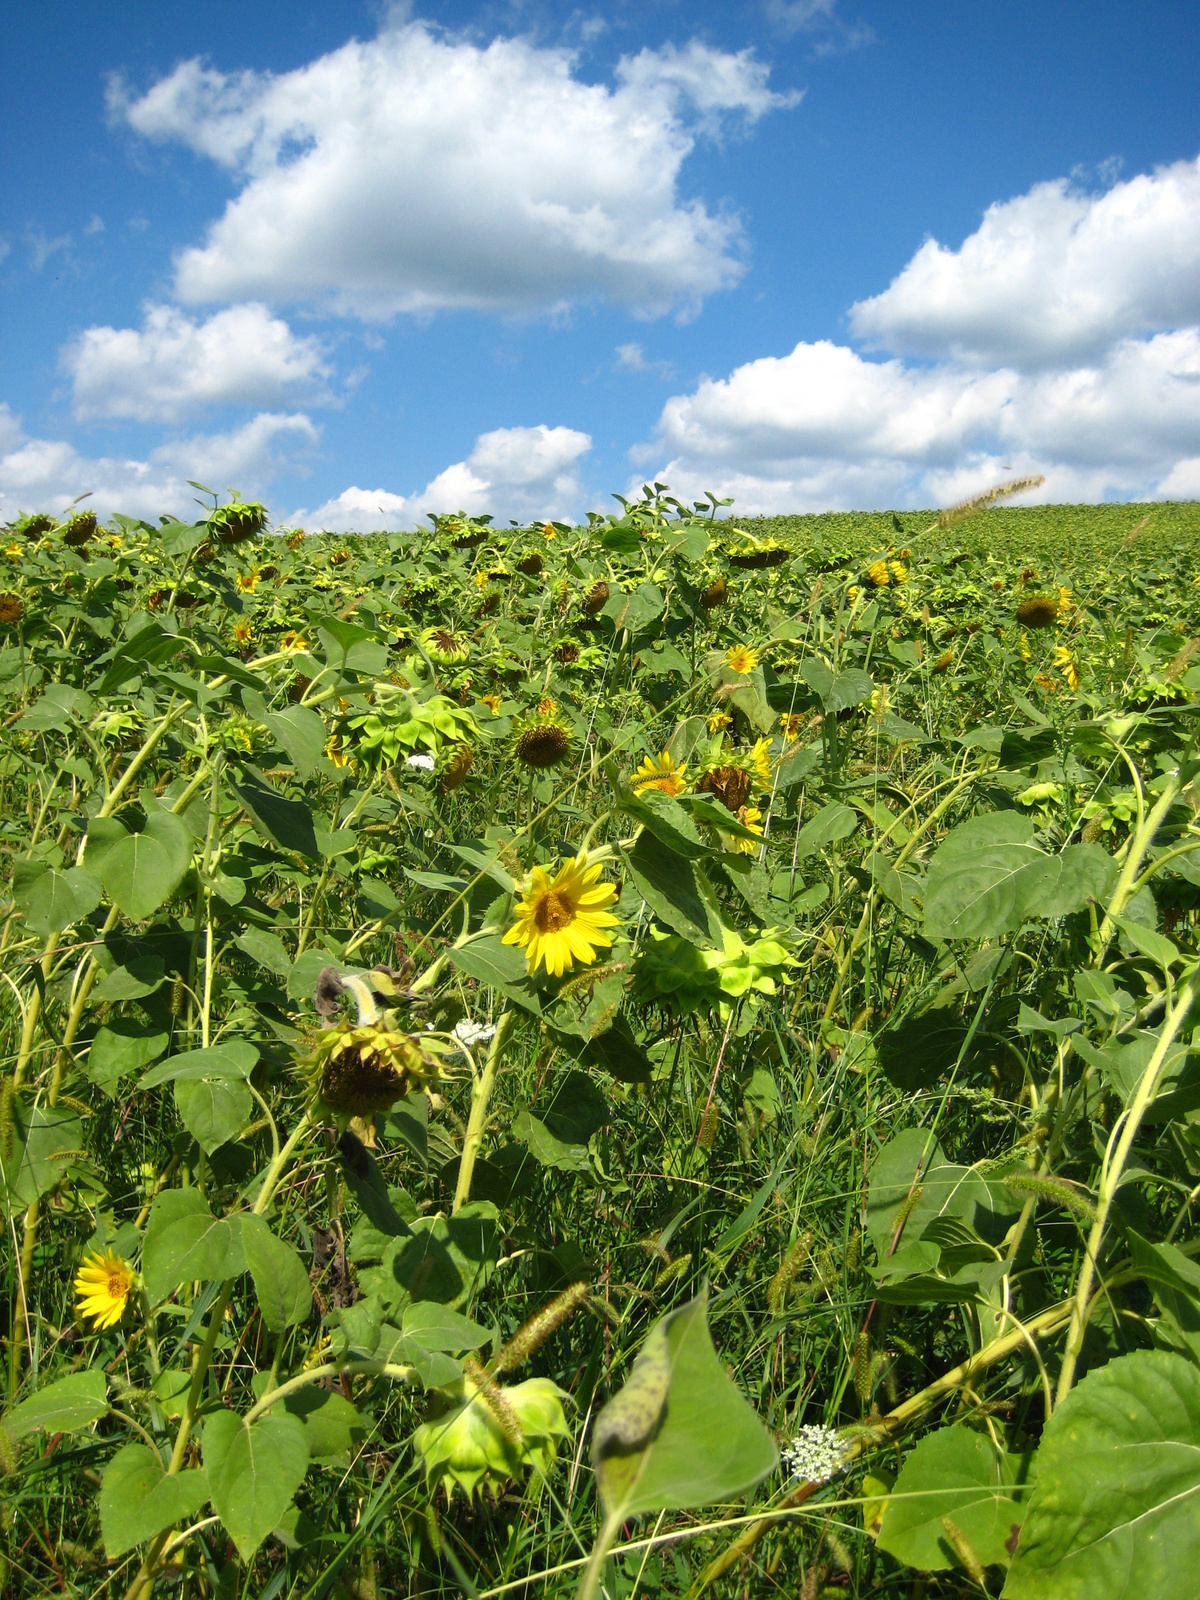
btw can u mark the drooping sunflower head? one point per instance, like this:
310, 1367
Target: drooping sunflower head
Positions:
458, 765
531, 564
566, 652
741, 658
1038, 611
12, 609
542, 742
238, 521
296, 538
103, 1284
37, 525
661, 772
755, 555
443, 647
716, 594
361, 1070
81, 527
879, 574
595, 600
727, 783
563, 921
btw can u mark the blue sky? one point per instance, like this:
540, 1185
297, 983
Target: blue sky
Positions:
365, 262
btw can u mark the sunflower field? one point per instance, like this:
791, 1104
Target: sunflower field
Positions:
654, 1058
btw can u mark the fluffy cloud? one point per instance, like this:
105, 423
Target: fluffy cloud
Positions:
171, 365
824, 427
418, 171
523, 473
46, 474
1050, 278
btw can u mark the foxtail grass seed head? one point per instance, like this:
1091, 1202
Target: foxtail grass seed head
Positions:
9, 1459
531, 1335
944, 662
8, 1095
709, 1123
965, 1551
1180, 662
863, 1366
1057, 1191
1038, 611
989, 497
788, 1271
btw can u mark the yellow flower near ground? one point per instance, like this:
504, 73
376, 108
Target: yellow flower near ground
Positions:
660, 772
103, 1284
898, 571
337, 751
247, 582
564, 921
741, 658
293, 641
243, 631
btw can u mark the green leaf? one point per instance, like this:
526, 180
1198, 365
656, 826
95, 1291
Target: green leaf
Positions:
831, 823
671, 888
214, 1110
55, 708
280, 1281
501, 966
53, 900
548, 1150
253, 1472
140, 871
46, 1139
267, 949
959, 1474
332, 1425
577, 1111
1148, 943
298, 730
679, 1434
184, 1240
617, 1052
1116, 1507
235, 1058
138, 1499
120, 1048
66, 1406
287, 823
849, 688
436, 1327
891, 1179
921, 1050
667, 820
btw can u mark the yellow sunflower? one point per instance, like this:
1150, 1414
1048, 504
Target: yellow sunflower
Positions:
662, 773
1065, 662
247, 582
741, 658
102, 1286
790, 725
760, 756
749, 817
243, 631
718, 720
564, 921
293, 641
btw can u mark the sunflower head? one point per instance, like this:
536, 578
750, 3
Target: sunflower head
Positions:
542, 742
750, 817
247, 582
660, 772
790, 725
293, 641
718, 720
489, 603
37, 525
362, 1069
103, 1284
243, 630
339, 558
12, 609
879, 574
1038, 611
443, 647
566, 652
483, 1435
80, 529
564, 920
238, 521
741, 658
760, 759
756, 555
531, 564
716, 594
595, 600
296, 538
458, 764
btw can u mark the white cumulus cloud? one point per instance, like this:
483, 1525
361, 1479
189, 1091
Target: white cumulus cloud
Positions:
1052, 277
46, 474
524, 473
419, 171
172, 364
824, 428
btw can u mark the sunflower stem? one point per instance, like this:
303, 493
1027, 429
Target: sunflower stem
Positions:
480, 1095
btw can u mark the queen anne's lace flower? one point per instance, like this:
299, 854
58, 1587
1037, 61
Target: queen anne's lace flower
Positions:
815, 1454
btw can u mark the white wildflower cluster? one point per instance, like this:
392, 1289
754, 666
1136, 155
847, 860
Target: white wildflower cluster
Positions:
473, 1033
814, 1454
425, 763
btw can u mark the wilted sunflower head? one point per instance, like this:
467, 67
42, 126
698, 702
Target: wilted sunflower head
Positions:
80, 529
443, 647
756, 555
729, 784
296, 538
595, 600
36, 525
661, 772
542, 742
239, 520
458, 764
716, 594
361, 1070
489, 603
531, 564
1038, 611
566, 652
12, 609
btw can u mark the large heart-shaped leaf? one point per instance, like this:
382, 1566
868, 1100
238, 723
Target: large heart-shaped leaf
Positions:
280, 1281
141, 870
253, 1472
138, 1498
184, 1240
958, 1474
679, 1433
1116, 1508
62, 1407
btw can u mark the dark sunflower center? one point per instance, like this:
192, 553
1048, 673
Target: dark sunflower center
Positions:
553, 912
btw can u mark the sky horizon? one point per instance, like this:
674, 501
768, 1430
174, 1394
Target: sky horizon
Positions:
366, 261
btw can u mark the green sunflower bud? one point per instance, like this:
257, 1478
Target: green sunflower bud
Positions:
471, 1445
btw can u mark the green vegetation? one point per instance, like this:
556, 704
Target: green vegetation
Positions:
653, 1059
